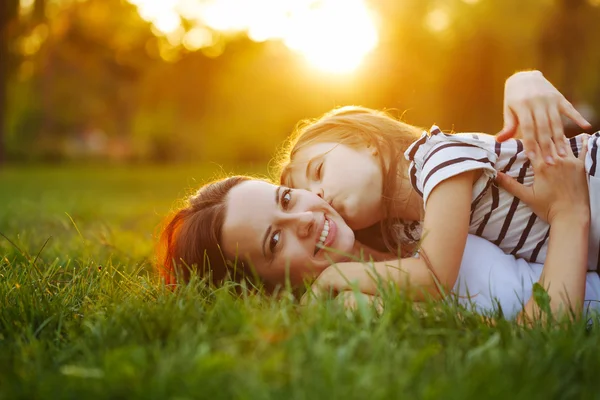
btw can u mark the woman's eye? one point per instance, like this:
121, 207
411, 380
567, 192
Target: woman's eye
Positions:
286, 198
274, 241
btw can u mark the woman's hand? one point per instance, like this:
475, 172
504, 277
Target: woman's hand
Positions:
557, 189
534, 106
560, 196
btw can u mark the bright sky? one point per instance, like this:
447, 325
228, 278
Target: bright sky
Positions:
333, 35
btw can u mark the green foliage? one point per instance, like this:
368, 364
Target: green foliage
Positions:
541, 297
83, 316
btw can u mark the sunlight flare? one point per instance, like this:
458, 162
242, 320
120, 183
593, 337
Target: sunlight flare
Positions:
332, 35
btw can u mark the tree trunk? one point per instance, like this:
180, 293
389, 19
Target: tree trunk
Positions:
9, 11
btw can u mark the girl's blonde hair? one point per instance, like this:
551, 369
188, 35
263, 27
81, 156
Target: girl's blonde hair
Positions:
359, 126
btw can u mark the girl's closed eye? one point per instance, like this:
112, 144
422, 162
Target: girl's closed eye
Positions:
319, 171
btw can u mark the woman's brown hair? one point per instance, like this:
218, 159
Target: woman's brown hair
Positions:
191, 238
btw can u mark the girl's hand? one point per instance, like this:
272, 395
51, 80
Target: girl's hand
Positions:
352, 300
342, 277
534, 106
557, 189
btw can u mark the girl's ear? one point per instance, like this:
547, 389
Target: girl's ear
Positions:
373, 149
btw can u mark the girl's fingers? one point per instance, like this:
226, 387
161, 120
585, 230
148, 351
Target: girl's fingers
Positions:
527, 127
567, 109
513, 187
535, 155
510, 126
351, 300
312, 294
306, 298
544, 135
558, 133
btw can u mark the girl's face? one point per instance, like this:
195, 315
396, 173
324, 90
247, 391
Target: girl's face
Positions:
349, 179
282, 231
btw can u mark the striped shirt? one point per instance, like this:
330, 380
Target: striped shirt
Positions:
496, 215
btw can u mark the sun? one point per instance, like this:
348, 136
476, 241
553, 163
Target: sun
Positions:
332, 35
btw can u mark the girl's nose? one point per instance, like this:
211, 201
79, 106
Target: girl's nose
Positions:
317, 189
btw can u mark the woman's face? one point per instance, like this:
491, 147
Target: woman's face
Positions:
277, 229
349, 179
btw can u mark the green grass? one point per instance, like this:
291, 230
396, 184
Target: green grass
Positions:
82, 316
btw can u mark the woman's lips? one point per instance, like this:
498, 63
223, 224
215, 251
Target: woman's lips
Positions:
331, 235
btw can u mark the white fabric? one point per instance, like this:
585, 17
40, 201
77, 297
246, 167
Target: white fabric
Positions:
592, 162
489, 279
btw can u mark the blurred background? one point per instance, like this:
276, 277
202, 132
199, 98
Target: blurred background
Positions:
182, 81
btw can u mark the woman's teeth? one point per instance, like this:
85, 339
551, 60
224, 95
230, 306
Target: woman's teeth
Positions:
324, 234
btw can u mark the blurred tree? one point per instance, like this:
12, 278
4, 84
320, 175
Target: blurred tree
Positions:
9, 11
86, 61
94, 68
561, 41
39, 10
568, 56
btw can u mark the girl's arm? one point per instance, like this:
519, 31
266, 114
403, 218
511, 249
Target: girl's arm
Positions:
560, 196
434, 273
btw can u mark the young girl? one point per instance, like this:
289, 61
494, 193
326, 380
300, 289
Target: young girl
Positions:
352, 157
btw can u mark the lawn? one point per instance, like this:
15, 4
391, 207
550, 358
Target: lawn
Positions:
83, 316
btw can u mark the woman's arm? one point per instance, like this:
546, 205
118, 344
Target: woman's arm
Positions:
564, 272
559, 195
534, 106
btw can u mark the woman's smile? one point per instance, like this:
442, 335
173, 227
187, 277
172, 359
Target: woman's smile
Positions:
327, 236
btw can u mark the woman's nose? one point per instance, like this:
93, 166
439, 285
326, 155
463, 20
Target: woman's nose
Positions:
302, 222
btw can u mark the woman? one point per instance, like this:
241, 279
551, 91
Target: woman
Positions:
242, 219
